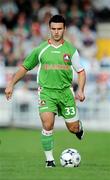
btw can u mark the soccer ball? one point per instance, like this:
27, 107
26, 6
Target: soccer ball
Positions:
70, 158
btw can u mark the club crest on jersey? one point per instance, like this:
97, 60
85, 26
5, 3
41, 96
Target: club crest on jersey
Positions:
66, 58
42, 102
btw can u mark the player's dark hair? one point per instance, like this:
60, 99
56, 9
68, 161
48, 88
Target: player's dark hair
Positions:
57, 19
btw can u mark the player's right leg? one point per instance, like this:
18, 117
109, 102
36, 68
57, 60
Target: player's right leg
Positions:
48, 119
47, 110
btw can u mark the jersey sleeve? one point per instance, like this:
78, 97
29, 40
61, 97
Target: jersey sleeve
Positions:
31, 60
76, 62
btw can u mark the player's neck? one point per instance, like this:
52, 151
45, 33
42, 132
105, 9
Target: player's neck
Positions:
56, 43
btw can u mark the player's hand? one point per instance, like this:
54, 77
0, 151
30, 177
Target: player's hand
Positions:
9, 91
80, 95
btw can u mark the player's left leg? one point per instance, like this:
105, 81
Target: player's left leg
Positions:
69, 111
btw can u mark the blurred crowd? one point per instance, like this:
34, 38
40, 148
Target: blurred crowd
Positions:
24, 25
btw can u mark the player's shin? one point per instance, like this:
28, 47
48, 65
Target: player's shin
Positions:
47, 143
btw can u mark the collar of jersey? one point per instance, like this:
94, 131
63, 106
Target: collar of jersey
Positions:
49, 42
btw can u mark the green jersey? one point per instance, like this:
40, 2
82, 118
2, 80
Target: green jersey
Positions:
55, 64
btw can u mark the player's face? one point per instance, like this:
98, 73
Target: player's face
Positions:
57, 31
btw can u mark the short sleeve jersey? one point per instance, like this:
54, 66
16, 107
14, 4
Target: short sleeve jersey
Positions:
55, 64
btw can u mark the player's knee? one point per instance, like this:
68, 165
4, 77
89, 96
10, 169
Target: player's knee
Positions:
47, 126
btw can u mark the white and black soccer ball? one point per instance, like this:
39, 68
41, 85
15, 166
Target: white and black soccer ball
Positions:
70, 158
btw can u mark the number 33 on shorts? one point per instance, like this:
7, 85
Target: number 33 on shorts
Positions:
70, 111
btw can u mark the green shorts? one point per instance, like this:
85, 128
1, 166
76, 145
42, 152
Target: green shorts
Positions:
60, 102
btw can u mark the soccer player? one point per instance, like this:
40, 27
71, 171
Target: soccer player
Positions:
57, 59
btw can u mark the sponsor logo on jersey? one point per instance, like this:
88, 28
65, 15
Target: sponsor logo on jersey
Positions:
56, 67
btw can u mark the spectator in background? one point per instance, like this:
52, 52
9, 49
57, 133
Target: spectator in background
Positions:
76, 14
3, 28
24, 6
72, 30
34, 39
102, 9
10, 20
35, 9
26, 43
90, 23
48, 7
63, 8
21, 33
9, 6
89, 15
12, 49
22, 28
88, 48
10, 11
8, 53
44, 26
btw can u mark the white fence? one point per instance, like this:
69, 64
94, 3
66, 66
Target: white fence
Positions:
22, 111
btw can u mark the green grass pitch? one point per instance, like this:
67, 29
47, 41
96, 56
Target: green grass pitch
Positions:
22, 158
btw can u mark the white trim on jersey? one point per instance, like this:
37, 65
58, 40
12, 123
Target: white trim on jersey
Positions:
76, 62
38, 72
56, 46
43, 52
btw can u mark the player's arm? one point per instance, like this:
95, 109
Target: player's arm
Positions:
81, 83
29, 63
18, 75
81, 76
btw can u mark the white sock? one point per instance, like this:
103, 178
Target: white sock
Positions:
49, 155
